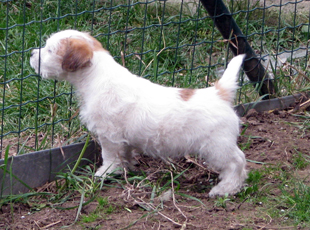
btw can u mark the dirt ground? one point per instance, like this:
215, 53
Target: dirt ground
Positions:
270, 137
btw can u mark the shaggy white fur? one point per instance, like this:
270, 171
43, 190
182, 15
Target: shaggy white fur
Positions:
126, 111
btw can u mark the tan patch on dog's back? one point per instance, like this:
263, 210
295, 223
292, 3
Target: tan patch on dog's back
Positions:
222, 92
186, 94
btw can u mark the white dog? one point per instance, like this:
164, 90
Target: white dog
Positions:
126, 111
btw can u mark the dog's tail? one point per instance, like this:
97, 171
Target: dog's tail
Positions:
227, 85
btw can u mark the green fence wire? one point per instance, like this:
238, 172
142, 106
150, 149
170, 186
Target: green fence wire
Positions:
175, 43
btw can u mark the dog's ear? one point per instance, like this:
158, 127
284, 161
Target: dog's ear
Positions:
78, 54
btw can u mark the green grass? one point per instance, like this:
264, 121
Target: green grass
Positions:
103, 208
162, 43
221, 201
290, 202
300, 160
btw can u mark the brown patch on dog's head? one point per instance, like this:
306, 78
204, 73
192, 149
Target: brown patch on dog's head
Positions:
96, 44
187, 94
76, 54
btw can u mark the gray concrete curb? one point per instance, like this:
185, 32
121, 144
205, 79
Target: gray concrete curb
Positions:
37, 168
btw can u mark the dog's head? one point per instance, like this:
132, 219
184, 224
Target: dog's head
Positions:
65, 52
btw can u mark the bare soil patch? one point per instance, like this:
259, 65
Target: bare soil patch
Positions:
274, 136
270, 138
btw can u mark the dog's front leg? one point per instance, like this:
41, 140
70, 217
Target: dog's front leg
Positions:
112, 156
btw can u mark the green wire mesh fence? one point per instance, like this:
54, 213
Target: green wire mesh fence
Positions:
175, 43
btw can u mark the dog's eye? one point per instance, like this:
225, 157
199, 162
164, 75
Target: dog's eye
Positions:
50, 51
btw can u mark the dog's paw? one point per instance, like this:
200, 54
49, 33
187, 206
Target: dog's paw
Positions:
104, 171
221, 190
100, 175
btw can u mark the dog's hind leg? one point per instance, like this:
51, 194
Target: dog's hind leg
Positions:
230, 162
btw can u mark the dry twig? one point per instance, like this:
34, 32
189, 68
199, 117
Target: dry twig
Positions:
52, 224
123, 58
300, 107
130, 193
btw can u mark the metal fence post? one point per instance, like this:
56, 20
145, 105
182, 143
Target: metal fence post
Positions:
229, 29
